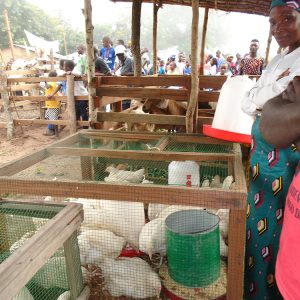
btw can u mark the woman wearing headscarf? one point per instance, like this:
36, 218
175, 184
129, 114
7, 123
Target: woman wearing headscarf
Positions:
272, 169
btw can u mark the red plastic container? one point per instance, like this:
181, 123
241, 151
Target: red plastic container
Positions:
226, 135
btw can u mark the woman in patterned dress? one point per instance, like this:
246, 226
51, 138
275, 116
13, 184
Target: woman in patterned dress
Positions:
272, 169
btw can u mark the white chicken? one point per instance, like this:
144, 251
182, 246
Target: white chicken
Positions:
227, 182
24, 294
152, 237
65, 296
96, 245
223, 248
216, 182
116, 175
123, 218
130, 277
205, 183
155, 209
224, 222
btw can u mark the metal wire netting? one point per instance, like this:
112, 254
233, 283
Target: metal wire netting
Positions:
18, 223
129, 186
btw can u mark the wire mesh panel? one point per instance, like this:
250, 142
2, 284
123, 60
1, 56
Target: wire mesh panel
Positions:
131, 186
19, 222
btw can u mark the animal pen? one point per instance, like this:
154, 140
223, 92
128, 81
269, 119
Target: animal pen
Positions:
138, 215
130, 173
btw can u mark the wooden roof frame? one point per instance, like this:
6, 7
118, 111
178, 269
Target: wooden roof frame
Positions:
258, 7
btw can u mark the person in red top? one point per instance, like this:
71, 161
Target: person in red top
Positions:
252, 63
280, 126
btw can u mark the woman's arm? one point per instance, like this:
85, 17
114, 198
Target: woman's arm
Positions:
280, 121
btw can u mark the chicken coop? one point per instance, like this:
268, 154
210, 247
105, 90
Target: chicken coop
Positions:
39, 254
142, 195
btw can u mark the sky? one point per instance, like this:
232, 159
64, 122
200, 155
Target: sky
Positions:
242, 27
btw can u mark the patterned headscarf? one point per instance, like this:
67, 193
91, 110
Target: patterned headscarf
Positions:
292, 3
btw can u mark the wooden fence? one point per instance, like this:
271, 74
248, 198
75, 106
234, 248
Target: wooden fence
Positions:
111, 90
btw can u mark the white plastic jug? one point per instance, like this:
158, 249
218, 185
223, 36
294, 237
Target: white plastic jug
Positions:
184, 173
229, 115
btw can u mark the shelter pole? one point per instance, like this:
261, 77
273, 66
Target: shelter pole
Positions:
7, 110
71, 104
268, 48
11, 44
51, 59
135, 36
89, 41
203, 40
65, 43
155, 10
193, 103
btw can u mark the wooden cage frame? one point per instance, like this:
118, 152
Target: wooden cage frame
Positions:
233, 199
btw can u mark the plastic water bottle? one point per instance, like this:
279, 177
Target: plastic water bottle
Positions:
184, 173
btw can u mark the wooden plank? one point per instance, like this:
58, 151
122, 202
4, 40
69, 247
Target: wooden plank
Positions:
22, 72
180, 195
27, 161
44, 98
45, 122
24, 87
211, 82
236, 252
141, 118
74, 272
141, 155
206, 96
175, 80
20, 267
42, 79
138, 92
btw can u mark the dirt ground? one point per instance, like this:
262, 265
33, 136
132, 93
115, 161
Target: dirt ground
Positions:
27, 140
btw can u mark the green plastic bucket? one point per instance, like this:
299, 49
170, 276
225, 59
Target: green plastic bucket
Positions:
193, 247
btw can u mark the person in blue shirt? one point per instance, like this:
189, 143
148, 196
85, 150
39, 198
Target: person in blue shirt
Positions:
107, 52
187, 69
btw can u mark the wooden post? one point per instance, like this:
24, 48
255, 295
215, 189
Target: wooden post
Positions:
51, 59
203, 39
6, 103
194, 75
71, 104
155, 10
65, 43
89, 40
135, 36
11, 44
268, 48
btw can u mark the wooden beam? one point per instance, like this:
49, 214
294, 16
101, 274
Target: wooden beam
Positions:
268, 48
20, 267
142, 155
203, 40
46, 122
156, 7
141, 118
10, 130
174, 80
9, 34
135, 36
137, 193
139, 92
25, 162
211, 82
24, 87
89, 41
206, 96
71, 104
44, 98
193, 101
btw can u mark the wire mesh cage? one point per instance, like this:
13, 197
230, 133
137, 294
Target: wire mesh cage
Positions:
53, 273
131, 185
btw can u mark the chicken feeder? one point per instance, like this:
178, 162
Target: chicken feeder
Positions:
193, 247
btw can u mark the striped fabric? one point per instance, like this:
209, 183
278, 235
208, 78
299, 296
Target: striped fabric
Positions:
292, 3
